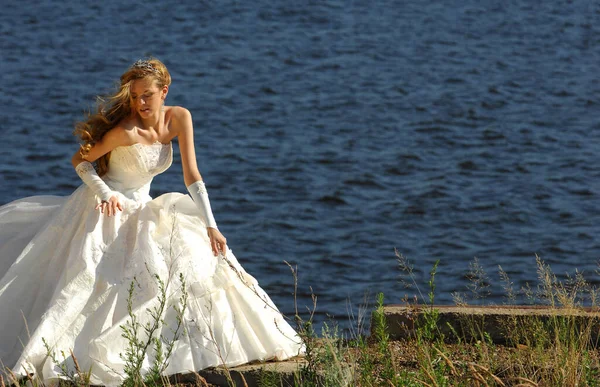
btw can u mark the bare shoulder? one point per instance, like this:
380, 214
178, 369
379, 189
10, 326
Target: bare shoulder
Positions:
112, 139
120, 135
180, 114
181, 119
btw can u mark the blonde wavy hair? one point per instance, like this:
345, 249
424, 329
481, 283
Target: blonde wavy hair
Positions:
112, 109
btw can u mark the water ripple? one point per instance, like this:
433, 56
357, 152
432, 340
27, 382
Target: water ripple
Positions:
477, 135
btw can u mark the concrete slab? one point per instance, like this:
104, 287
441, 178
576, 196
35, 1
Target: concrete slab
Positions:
282, 373
471, 321
249, 374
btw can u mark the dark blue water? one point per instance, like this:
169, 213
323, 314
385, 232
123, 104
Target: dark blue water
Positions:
332, 132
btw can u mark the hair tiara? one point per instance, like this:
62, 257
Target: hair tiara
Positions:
144, 65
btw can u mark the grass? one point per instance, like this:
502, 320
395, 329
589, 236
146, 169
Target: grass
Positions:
555, 350
559, 349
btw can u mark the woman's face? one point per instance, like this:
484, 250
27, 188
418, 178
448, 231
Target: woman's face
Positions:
146, 97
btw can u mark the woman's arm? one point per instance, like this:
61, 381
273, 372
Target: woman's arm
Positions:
185, 134
193, 179
82, 163
112, 139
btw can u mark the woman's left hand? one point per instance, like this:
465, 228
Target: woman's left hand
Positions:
218, 243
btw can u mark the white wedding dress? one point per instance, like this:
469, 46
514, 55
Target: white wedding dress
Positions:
66, 272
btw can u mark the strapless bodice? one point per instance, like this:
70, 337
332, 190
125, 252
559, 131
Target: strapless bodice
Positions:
132, 168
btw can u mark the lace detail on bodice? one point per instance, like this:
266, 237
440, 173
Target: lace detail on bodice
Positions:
146, 160
157, 158
133, 167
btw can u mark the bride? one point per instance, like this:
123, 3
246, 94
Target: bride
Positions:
79, 273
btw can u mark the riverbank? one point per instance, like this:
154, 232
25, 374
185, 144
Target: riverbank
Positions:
440, 346
553, 342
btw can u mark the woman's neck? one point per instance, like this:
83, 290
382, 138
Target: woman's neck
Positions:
153, 122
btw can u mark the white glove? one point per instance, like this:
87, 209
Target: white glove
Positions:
198, 192
88, 174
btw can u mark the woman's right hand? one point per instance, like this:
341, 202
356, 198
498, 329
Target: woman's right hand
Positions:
110, 207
